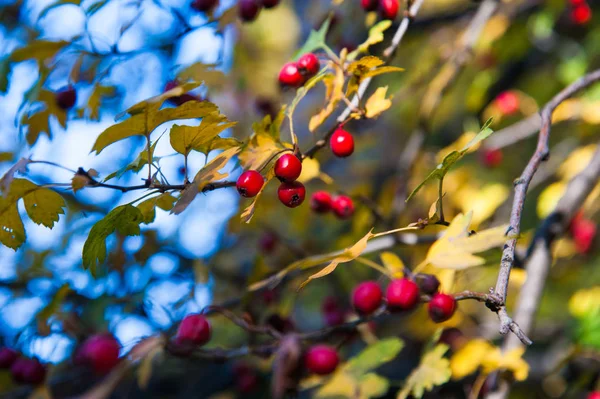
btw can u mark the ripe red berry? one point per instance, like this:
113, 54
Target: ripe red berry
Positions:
321, 359
7, 357
343, 206
248, 9
288, 167
28, 371
581, 14
249, 183
100, 352
341, 143
320, 202
66, 98
594, 395
290, 75
389, 8
491, 158
367, 297
270, 3
428, 283
291, 194
194, 329
402, 294
584, 232
369, 5
204, 5
507, 102
308, 64
441, 307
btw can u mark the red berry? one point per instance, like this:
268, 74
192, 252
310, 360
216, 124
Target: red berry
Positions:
491, 158
428, 283
441, 307
581, 14
367, 297
288, 167
270, 3
204, 5
291, 194
28, 371
290, 75
66, 98
7, 357
321, 359
368, 5
332, 312
249, 183
389, 8
507, 102
320, 202
194, 329
100, 352
267, 242
584, 232
343, 207
402, 294
342, 143
248, 9
246, 383
594, 395
308, 64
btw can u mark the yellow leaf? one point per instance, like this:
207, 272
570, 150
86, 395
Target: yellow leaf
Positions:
335, 93
589, 113
585, 302
468, 358
433, 370
260, 149
378, 103
187, 138
483, 201
364, 65
40, 50
393, 263
311, 169
511, 361
248, 213
375, 36
549, 198
576, 162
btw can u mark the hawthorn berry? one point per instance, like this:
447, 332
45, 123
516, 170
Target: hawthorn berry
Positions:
367, 297
291, 194
290, 76
100, 352
204, 5
308, 65
7, 357
343, 206
333, 313
248, 10
288, 167
341, 143
402, 294
491, 158
270, 3
581, 14
321, 359
389, 8
428, 283
267, 242
246, 380
194, 329
583, 232
28, 371
441, 307
507, 102
66, 98
249, 183
594, 395
369, 5
321, 202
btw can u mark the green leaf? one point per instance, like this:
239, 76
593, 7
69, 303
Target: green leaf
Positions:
374, 356
315, 41
39, 122
148, 207
124, 219
95, 100
140, 161
44, 206
153, 103
143, 124
4, 71
187, 138
206, 73
40, 50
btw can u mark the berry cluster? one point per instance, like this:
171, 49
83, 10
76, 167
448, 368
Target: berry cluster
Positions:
22, 370
295, 74
248, 10
581, 13
341, 205
388, 9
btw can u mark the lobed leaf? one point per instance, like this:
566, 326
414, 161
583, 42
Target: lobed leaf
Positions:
433, 370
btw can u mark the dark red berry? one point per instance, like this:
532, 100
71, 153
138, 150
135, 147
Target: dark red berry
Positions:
28, 371
343, 206
249, 183
389, 8
321, 359
333, 313
194, 329
204, 5
402, 294
270, 3
100, 352
7, 357
581, 14
369, 5
428, 283
290, 76
66, 98
248, 10
367, 297
594, 395
441, 307
321, 202
288, 167
308, 64
291, 194
342, 143
267, 242
246, 383
491, 158
507, 102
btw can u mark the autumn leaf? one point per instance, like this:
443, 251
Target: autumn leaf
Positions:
393, 264
335, 93
206, 73
248, 213
364, 68
260, 149
153, 103
378, 103
40, 50
375, 36
433, 370
187, 138
165, 201
585, 301
99, 92
468, 359
39, 122
138, 163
